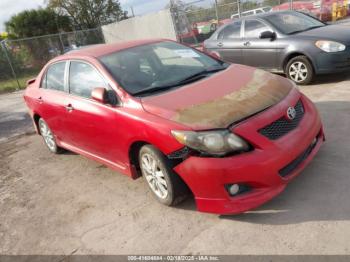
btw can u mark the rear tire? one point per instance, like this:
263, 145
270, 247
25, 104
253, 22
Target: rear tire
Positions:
299, 69
49, 137
165, 184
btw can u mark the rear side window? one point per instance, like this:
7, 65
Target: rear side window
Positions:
254, 28
231, 31
55, 77
83, 78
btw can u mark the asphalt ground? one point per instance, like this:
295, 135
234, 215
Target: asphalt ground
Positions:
66, 204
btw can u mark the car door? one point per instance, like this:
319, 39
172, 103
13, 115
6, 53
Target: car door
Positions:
229, 43
258, 52
52, 98
92, 125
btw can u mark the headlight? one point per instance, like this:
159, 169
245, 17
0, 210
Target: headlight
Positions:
330, 46
212, 142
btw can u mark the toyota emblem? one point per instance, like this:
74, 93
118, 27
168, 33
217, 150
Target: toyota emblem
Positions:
291, 113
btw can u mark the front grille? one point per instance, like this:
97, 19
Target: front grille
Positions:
296, 162
283, 126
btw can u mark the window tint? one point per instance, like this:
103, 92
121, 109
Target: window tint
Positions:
253, 28
55, 77
83, 79
231, 31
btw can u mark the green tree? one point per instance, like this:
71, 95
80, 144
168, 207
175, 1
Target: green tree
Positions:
36, 23
31, 23
89, 13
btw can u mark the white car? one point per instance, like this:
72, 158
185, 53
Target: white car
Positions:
253, 12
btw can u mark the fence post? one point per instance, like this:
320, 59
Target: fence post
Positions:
61, 41
10, 63
101, 33
239, 8
216, 11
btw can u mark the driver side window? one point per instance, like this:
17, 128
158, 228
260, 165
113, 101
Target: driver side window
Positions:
231, 31
253, 28
83, 78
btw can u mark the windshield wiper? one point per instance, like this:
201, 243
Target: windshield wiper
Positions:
307, 29
191, 78
154, 89
199, 75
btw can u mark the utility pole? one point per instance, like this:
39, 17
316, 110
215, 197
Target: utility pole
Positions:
132, 11
59, 34
3, 45
239, 8
216, 11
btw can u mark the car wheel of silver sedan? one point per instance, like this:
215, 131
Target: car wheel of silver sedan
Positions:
299, 70
48, 136
156, 169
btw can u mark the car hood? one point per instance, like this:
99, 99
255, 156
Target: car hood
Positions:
220, 99
340, 33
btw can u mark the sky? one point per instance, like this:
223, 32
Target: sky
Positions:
143, 6
12, 7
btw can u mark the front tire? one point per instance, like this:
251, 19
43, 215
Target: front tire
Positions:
166, 186
48, 137
300, 70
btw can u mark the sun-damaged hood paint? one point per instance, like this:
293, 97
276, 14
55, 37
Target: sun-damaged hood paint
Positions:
221, 99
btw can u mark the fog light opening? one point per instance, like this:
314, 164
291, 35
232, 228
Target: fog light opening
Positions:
236, 189
233, 189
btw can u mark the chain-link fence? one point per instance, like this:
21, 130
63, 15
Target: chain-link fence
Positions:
22, 59
197, 20
193, 20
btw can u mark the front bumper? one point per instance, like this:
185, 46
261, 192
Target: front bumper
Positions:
260, 168
333, 62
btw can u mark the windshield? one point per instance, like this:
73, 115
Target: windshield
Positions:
159, 66
293, 22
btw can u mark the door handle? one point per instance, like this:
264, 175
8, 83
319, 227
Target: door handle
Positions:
69, 108
247, 43
220, 44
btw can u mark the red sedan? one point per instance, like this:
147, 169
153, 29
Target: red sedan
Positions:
231, 135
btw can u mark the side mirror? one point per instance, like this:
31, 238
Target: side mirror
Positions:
267, 35
99, 94
104, 96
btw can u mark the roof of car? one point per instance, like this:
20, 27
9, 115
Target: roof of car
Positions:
104, 49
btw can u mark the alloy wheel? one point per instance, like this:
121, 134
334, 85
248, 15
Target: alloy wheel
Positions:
298, 71
47, 135
154, 175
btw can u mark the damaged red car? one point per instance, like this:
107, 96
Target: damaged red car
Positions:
231, 135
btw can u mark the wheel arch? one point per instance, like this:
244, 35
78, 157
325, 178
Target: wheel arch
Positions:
133, 152
133, 155
36, 118
295, 54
